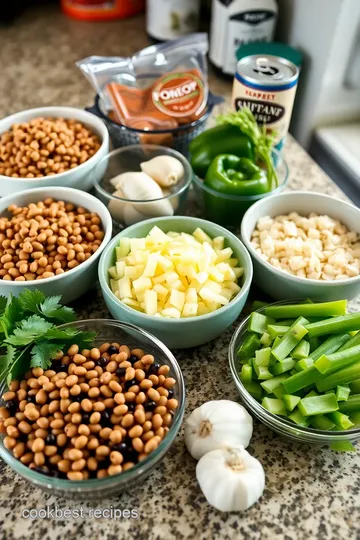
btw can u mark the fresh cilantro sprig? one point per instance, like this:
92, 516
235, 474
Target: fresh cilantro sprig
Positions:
29, 335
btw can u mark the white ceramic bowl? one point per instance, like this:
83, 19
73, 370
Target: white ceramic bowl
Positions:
281, 285
79, 177
75, 282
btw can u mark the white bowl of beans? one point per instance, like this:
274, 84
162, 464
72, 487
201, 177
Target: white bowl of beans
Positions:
98, 421
51, 239
50, 146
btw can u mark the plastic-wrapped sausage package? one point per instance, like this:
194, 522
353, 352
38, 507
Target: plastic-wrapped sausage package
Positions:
159, 88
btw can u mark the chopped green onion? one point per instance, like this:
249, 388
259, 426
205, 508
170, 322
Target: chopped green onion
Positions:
325, 309
289, 340
322, 422
266, 339
275, 406
336, 325
302, 350
343, 376
302, 379
304, 364
351, 405
310, 406
262, 357
262, 372
355, 340
276, 330
270, 385
258, 322
299, 418
248, 347
342, 421
331, 362
246, 373
342, 393
283, 365
330, 345
258, 304
290, 401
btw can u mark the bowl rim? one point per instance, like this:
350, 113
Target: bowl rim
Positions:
254, 404
199, 182
187, 167
104, 135
184, 127
186, 320
107, 224
283, 273
139, 468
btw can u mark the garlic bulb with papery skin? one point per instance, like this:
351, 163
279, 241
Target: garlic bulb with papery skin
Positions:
165, 170
217, 424
230, 479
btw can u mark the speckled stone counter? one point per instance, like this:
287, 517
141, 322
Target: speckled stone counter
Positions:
311, 493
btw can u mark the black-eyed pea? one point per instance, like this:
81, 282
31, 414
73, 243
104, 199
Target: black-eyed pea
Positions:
10, 422
14, 386
83, 386
74, 454
162, 401
95, 354
139, 353
58, 423
115, 419
99, 406
50, 450
109, 403
80, 370
89, 364
41, 433
4, 413
135, 389
81, 442
21, 394
147, 426
32, 414
73, 350
138, 365
162, 391
105, 433
169, 382
49, 373
71, 430
148, 415
20, 416
64, 392
39, 459
151, 445
54, 460
71, 380
95, 418
43, 379
83, 429
61, 382
86, 405
129, 374
140, 398
94, 383
79, 359
22, 405
54, 406
99, 370
121, 357
49, 387
105, 378
12, 431
160, 432
24, 427
64, 465
102, 451
142, 456
33, 383
125, 364
92, 463
153, 394
112, 366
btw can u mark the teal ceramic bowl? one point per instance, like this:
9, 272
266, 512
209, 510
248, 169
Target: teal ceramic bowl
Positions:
186, 332
281, 285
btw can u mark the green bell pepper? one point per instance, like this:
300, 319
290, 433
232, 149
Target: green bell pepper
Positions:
218, 140
234, 175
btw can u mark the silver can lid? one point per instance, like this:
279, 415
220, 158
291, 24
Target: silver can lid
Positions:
267, 70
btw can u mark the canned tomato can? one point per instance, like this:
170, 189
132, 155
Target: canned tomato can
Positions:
267, 84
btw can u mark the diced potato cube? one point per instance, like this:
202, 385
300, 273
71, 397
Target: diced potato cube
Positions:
191, 296
132, 272
159, 235
162, 291
210, 284
164, 263
142, 283
112, 272
114, 285
215, 274
150, 268
132, 303
124, 248
238, 272
188, 239
173, 234
233, 262
201, 235
150, 302
218, 243
171, 277
190, 310
138, 244
202, 309
210, 251
125, 287
201, 277
210, 296
177, 299
173, 313
120, 267
232, 286
178, 285
224, 254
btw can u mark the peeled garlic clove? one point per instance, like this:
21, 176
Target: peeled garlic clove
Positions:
117, 207
132, 215
230, 479
174, 201
217, 424
165, 170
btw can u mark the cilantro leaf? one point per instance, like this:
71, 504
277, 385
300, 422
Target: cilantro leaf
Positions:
52, 309
13, 313
30, 300
71, 335
28, 331
6, 360
43, 352
3, 303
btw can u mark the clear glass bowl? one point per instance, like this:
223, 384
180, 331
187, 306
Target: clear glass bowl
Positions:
278, 423
134, 337
228, 210
125, 211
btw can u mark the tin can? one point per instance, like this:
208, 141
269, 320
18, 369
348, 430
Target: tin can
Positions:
267, 85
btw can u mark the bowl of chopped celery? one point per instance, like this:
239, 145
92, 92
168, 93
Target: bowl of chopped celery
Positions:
184, 278
297, 369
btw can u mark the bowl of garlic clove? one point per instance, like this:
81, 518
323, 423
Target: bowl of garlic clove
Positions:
143, 181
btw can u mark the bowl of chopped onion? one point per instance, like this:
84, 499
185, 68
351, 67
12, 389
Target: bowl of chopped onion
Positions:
304, 245
184, 278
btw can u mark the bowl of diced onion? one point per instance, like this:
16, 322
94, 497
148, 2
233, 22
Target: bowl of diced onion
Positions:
304, 245
182, 278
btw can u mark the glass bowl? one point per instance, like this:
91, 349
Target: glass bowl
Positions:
280, 424
134, 337
125, 211
228, 210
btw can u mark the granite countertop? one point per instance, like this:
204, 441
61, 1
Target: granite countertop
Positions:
311, 493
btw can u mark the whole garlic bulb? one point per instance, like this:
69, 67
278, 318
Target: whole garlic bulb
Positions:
165, 170
231, 479
217, 424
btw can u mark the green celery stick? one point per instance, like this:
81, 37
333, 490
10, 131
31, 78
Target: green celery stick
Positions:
276, 330
355, 418
324, 309
342, 446
270, 385
266, 339
258, 322
302, 350
248, 347
336, 325
355, 386
262, 357
298, 418
330, 345
278, 392
351, 405
246, 373
309, 406
289, 340
302, 379
331, 362
343, 376
314, 343
290, 401
310, 394
322, 422
283, 365
275, 406
355, 340
276, 341
254, 389
342, 421
342, 393
258, 304
262, 373
285, 322
304, 363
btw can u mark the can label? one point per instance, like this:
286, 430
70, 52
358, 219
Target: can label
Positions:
179, 94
